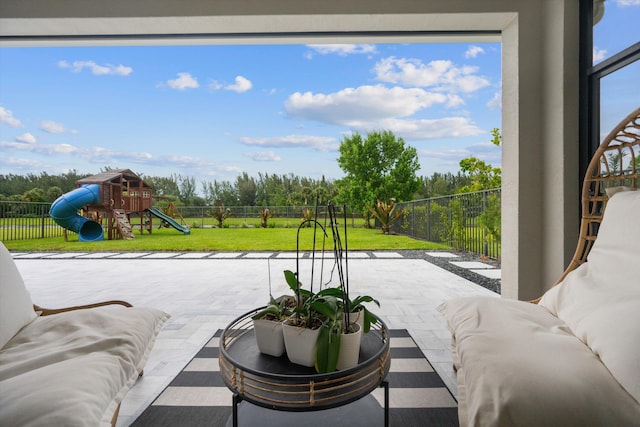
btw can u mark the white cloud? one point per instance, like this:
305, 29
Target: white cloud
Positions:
184, 81
369, 108
214, 86
454, 101
485, 151
263, 156
362, 103
6, 117
96, 69
241, 85
67, 156
53, 127
318, 143
47, 149
447, 127
473, 52
448, 155
628, 2
441, 75
230, 168
26, 138
599, 54
28, 165
495, 103
484, 148
343, 49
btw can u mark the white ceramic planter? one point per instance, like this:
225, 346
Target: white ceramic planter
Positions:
357, 317
269, 337
349, 349
300, 344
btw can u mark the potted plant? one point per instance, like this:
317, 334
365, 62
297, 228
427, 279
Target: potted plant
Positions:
358, 312
339, 339
315, 334
301, 329
322, 318
267, 325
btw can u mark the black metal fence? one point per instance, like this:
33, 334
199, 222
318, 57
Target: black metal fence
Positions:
468, 221
27, 220
279, 216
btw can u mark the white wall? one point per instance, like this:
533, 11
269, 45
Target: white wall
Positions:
540, 83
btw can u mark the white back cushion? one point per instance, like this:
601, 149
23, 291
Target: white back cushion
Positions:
16, 308
600, 300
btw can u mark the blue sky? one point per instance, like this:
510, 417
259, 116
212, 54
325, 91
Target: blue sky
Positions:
212, 112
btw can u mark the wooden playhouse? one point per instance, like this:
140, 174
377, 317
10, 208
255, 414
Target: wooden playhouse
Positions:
124, 197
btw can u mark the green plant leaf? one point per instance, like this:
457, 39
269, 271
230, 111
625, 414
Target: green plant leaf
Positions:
369, 318
327, 348
292, 280
270, 309
358, 301
327, 307
333, 292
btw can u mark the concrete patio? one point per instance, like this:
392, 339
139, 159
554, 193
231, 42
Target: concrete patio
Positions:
204, 291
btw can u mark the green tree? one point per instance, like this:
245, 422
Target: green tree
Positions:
220, 191
246, 189
53, 193
441, 184
187, 188
483, 176
163, 186
379, 167
34, 195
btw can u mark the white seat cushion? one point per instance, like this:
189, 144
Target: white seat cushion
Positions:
521, 366
16, 308
74, 368
600, 300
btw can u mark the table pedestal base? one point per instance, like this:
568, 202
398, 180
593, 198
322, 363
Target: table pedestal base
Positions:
365, 412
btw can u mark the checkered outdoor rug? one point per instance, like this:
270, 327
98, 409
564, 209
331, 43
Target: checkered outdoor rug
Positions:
199, 397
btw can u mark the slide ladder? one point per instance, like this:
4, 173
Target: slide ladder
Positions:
123, 225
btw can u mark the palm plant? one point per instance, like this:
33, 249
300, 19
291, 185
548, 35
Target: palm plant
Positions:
386, 213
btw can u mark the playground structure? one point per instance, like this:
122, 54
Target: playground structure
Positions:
120, 197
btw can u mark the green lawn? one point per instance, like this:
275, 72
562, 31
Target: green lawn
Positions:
226, 239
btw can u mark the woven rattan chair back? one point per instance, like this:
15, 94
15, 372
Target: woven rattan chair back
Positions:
616, 163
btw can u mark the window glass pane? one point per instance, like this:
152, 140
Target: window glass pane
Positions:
619, 96
618, 28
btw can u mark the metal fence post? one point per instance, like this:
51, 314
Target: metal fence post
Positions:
42, 219
485, 246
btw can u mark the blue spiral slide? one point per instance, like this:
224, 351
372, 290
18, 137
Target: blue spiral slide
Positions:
64, 211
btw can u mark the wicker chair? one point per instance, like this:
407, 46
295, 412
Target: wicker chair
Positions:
588, 325
616, 163
67, 366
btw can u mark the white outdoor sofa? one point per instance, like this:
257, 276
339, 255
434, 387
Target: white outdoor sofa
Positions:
572, 357
68, 367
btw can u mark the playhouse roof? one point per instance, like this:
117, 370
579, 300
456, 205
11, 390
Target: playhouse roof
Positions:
116, 176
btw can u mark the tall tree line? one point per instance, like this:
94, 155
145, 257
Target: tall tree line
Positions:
40, 187
263, 190
269, 190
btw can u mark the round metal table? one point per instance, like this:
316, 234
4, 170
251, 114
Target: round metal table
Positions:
263, 386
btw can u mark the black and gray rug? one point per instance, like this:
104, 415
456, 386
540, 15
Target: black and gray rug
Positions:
199, 397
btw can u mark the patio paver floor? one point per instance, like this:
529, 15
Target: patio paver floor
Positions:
205, 294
